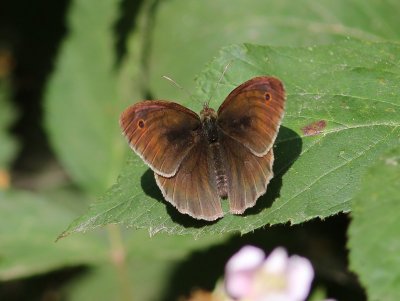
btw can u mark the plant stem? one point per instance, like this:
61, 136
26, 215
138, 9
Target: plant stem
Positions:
118, 258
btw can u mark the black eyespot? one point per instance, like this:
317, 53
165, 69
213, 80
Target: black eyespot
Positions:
141, 123
267, 96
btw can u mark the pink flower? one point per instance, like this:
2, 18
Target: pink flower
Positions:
251, 276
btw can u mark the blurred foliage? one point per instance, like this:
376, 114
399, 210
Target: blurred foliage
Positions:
373, 237
8, 145
67, 70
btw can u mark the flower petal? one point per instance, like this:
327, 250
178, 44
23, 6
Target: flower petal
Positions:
276, 261
240, 268
300, 274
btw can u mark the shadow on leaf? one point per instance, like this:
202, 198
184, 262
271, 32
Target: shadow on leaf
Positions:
287, 149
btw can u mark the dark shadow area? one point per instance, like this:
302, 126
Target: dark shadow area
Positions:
33, 31
288, 146
323, 242
287, 149
42, 287
149, 185
186, 220
125, 25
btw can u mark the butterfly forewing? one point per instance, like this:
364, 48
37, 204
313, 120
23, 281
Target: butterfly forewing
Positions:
161, 133
252, 113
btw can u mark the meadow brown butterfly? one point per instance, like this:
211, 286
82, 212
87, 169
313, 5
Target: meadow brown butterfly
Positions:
197, 160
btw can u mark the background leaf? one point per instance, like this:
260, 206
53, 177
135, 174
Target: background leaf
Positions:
187, 33
28, 247
350, 87
83, 101
151, 264
373, 235
28, 228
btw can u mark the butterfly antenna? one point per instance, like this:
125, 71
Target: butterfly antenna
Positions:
180, 87
219, 81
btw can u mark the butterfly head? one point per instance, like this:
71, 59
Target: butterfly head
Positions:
208, 113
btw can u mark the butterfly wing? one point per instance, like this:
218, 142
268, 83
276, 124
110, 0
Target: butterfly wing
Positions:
248, 175
162, 133
249, 120
193, 189
252, 113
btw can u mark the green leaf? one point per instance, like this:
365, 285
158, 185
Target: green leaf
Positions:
374, 232
83, 102
350, 89
151, 264
188, 32
29, 225
317, 294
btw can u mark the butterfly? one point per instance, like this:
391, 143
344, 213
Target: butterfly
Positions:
197, 160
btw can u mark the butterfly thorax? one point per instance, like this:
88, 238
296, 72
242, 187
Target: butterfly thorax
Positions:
209, 124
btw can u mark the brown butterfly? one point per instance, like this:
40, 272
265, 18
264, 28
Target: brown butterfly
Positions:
197, 160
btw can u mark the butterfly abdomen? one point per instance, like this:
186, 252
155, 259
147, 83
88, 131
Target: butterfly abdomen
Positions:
218, 165
211, 134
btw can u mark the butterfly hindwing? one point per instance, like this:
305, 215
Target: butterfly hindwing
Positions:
248, 175
193, 189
